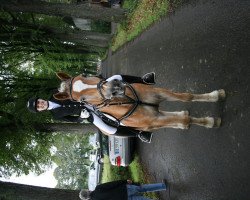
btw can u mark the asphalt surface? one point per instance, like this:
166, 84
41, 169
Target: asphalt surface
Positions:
202, 46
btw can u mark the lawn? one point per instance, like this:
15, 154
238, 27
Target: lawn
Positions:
141, 14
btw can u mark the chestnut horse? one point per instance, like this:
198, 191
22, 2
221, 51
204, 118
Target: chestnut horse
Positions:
139, 107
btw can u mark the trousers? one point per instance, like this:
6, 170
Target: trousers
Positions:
134, 191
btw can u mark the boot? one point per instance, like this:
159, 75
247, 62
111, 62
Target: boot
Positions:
144, 136
123, 131
149, 78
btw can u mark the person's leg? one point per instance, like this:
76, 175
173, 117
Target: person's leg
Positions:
134, 189
124, 131
151, 187
133, 194
138, 197
148, 78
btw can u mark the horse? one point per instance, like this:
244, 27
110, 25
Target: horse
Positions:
136, 105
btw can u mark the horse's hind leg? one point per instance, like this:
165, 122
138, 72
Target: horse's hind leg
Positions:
164, 94
182, 120
208, 122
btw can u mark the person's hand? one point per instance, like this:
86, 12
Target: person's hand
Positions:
129, 181
84, 114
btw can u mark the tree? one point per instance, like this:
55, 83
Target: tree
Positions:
83, 10
65, 128
78, 37
72, 161
33, 47
13, 191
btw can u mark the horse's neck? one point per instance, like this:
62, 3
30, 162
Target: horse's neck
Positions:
92, 96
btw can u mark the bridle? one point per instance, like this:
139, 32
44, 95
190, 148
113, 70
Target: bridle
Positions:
70, 89
135, 102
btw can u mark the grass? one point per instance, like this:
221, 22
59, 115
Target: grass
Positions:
141, 14
113, 173
134, 172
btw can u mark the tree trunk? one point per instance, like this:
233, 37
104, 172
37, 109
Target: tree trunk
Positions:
66, 128
13, 191
85, 38
79, 37
83, 10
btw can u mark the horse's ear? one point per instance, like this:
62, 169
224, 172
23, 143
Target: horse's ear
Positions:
61, 96
63, 76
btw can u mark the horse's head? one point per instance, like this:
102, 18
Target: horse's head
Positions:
77, 88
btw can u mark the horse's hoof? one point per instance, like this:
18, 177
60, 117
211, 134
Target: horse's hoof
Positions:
217, 122
186, 127
222, 94
186, 113
183, 127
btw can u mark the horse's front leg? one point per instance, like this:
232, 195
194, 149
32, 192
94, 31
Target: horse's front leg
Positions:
164, 94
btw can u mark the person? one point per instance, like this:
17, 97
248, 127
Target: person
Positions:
122, 190
148, 78
77, 112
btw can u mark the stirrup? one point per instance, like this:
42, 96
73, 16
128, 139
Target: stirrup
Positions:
145, 136
149, 78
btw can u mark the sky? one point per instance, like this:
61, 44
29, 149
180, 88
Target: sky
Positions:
44, 180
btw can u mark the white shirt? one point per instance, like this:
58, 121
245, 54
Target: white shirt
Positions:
52, 105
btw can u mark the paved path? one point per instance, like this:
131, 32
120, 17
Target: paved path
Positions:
201, 47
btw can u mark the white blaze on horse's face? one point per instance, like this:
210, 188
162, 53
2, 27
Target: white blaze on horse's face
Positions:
79, 86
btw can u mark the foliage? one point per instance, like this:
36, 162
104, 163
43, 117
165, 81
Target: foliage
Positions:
136, 170
71, 159
24, 152
100, 26
14, 191
32, 48
21, 148
141, 15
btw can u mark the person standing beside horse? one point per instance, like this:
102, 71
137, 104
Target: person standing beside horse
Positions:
122, 190
71, 111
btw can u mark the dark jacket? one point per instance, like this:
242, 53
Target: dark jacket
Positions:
69, 111
116, 190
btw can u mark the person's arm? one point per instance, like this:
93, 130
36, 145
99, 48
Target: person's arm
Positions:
126, 78
148, 78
